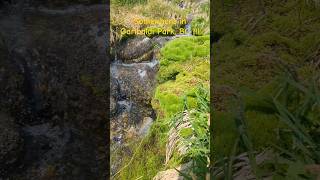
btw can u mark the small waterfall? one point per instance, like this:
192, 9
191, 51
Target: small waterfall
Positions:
188, 29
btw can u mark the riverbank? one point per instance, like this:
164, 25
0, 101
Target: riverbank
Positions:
182, 82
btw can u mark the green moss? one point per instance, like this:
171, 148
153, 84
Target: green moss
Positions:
262, 129
225, 133
169, 96
179, 78
186, 48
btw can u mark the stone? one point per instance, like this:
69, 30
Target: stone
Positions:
136, 50
145, 126
173, 174
113, 106
136, 81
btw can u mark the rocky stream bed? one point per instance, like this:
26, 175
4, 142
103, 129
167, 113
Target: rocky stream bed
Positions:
133, 82
53, 98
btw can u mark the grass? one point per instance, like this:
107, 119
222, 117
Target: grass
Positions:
149, 156
296, 107
176, 91
124, 13
266, 55
184, 67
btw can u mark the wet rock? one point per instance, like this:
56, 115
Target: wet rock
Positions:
136, 81
136, 50
114, 88
161, 40
113, 106
11, 144
145, 126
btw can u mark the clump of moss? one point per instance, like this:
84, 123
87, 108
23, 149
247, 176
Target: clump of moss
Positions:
170, 95
185, 48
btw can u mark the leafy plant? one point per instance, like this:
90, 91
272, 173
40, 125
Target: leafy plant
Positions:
194, 134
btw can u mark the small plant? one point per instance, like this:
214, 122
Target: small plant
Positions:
191, 134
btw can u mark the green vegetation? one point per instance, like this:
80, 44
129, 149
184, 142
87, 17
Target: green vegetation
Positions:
149, 154
266, 56
201, 24
123, 14
196, 136
183, 87
188, 90
183, 49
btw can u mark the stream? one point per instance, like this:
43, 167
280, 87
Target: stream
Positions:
132, 88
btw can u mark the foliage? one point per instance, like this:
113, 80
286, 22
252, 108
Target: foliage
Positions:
200, 24
196, 137
254, 47
123, 14
184, 64
185, 48
169, 98
149, 156
296, 107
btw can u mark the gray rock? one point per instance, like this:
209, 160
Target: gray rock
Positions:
114, 88
162, 40
136, 50
136, 81
113, 106
145, 126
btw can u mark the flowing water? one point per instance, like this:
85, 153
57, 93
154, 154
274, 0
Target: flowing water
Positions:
140, 74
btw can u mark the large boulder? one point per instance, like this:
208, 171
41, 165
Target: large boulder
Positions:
136, 81
136, 50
